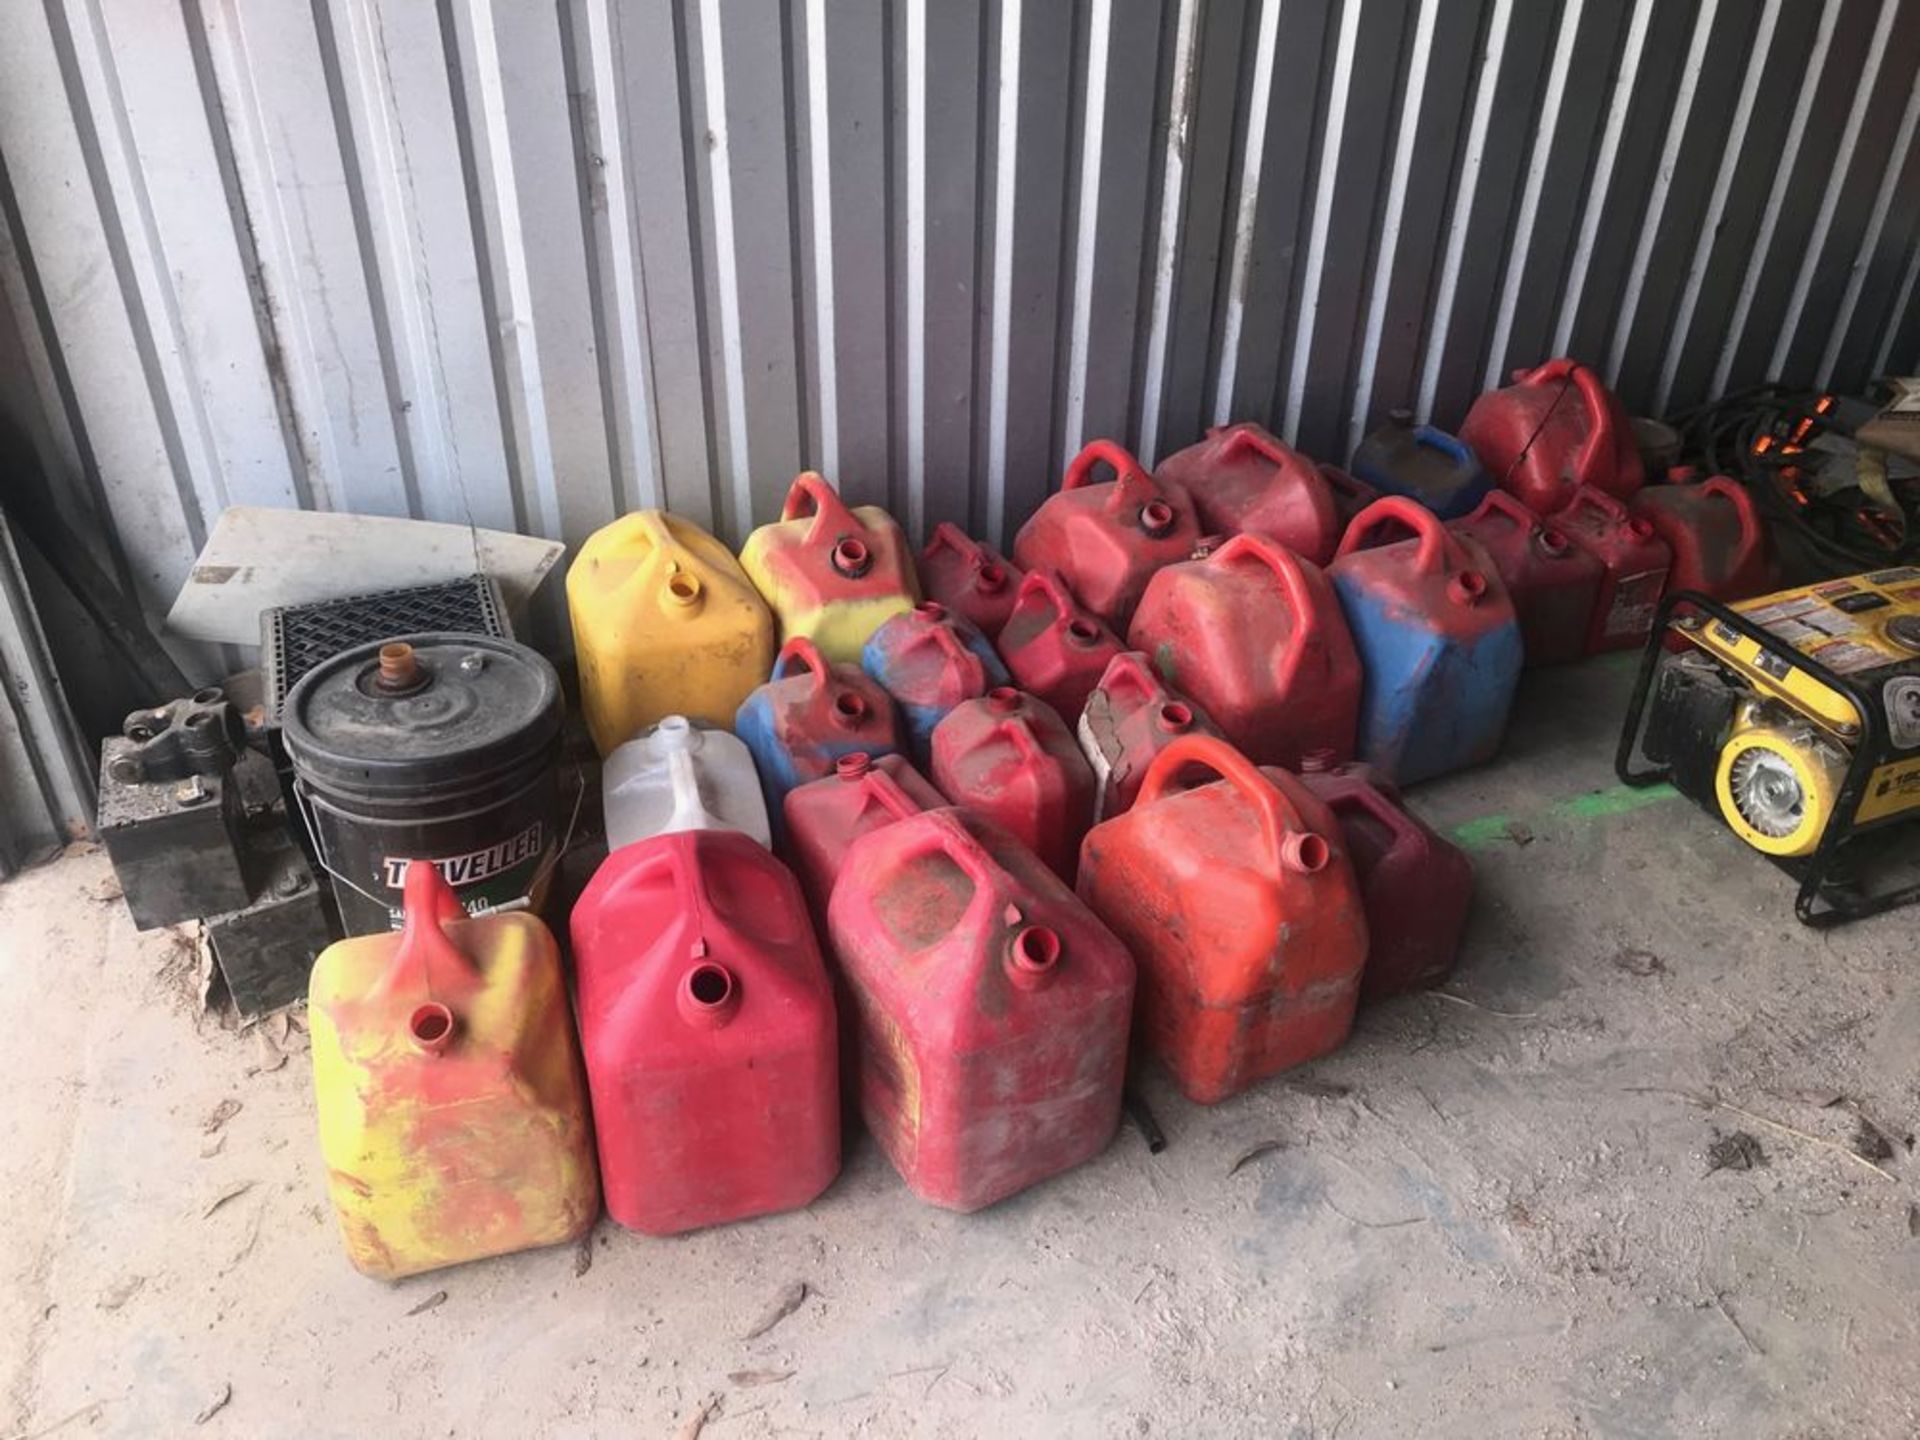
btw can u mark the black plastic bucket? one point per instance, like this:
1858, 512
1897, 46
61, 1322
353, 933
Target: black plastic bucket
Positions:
429, 747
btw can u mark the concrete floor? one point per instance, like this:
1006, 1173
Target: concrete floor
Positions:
1491, 1214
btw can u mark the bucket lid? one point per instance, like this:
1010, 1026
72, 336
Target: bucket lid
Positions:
455, 707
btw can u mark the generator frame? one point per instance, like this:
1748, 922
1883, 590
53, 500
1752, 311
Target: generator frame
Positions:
1819, 903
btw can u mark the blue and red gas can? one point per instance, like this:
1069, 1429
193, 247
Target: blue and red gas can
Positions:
929, 660
809, 714
1438, 642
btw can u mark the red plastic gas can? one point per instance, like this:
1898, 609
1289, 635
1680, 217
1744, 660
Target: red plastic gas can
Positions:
969, 577
1107, 539
993, 1008
825, 817
1244, 479
1242, 911
1416, 886
1011, 758
1255, 634
1718, 540
1636, 559
708, 1024
1131, 717
1054, 647
1552, 581
1552, 429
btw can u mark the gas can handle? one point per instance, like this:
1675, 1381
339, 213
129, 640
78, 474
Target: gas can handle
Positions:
1285, 565
800, 650
1736, 495
949, 536
1429, 559
1451, 445
1129, 667
1593, 396
1050, 584
1368, 797
946, 639
1080, 469
1238, 771
810, 494
1260, 440
425, 957
1504, 503
888, 791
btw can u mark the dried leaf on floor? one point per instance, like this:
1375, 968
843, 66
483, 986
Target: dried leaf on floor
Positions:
220, 1115
1519, 832
583, 1255
1641, 963
432, 1302
784, 1304
1322, 1089
121, 1292
1870, 1142
1264, 1148
213, 1148
1913, 1221
215, 1406
1738, 1151
747, 1379
691, 1427
225, 1196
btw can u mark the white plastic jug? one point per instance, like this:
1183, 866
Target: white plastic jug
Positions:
680, 776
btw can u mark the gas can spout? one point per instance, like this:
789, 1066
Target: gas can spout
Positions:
1304, 853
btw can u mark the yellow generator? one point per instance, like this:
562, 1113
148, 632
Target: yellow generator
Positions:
1795, 717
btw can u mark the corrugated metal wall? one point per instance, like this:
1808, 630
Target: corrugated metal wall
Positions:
532, 264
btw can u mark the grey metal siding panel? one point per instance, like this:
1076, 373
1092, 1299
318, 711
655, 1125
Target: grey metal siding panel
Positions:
534, 265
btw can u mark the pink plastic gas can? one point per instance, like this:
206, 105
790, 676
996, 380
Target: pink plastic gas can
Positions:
1246, 480
1132, 715
1054, 647
708, 1024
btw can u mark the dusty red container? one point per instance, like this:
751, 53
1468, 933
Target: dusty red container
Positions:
1242, 912
969, 577
825, 817
1107, 538
1131, 717
1718, 540
1246, 480
1552, 581
1010, 757
993, 1008
1256, 635
1555, 428
707, 1020
1054, 647
1417, 887
808, 715
1636, 559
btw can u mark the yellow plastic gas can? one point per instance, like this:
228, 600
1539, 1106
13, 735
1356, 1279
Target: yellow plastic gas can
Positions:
665, 622
831, 573
452, 1105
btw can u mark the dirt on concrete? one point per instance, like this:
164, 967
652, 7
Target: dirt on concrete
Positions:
1491, 1214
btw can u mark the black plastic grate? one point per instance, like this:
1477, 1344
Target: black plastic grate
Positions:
295, 638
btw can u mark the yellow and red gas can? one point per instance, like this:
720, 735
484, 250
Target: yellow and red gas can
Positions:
452, 1104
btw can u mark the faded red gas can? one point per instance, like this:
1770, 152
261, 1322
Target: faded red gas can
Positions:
1636, 560
1718, 539
969, 577
1131, 717
1242, 912
1246, 480
1417, 887
1552, 581
1555, 428
707, 1019
825, 817
993, 1008
1054, 647
1255, 634
1010, 757
1107, 538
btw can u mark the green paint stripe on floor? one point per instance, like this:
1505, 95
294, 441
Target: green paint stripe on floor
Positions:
1596, 805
